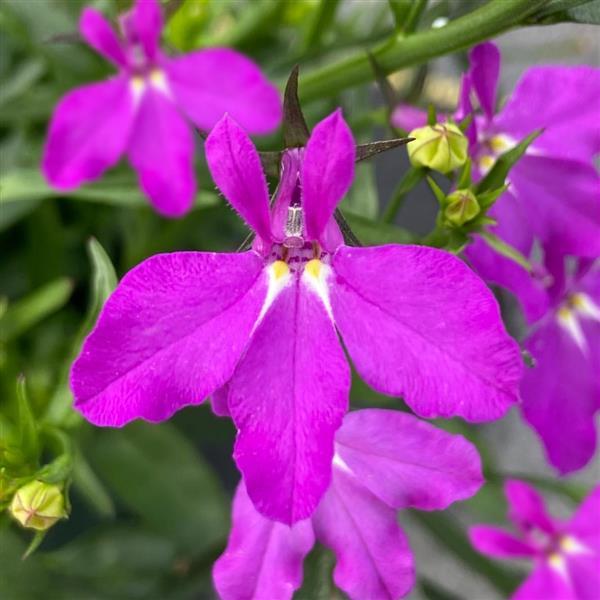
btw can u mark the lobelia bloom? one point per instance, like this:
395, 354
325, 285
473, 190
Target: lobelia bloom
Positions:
140, 111
566, 555
561, 393
384, 460
258, 328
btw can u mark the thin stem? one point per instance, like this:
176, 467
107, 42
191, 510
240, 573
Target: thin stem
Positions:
414, 16
408, 182
400, 52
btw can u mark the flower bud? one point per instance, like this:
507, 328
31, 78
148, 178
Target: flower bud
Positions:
441, 147
461, 207
38, 505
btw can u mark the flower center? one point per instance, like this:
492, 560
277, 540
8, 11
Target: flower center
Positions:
570, 313
491, 148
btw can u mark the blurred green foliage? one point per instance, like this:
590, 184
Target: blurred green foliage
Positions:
149, 504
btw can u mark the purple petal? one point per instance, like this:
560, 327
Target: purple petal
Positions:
162, 152
585, 524
419, 323
146, 24
545, 583
218, 401
287, 398
235, 166
527, 509
564, 102
327, 171
584, 574
484, 69
514, 229
408, 117
209, 83
98, 33
263, 558
372, 552
498, 543
465, 108
88, 133
560, 396
561, 201
170, 334
407, 462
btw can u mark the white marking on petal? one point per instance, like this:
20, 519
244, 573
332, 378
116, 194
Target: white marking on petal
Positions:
558, 563
567, 319
340, 463
585, 306
279, 277
571, 545
158, 80
137, 85
315, 276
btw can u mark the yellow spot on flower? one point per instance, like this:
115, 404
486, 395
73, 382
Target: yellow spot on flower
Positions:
486, 162
280, 269
137, 83
565, 314
499, 144
556, 561
157, 78
313, 267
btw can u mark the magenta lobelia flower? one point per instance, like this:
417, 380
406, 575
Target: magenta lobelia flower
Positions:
561, 393
566, 555
262, 325
554, 193
140, 112
384, 460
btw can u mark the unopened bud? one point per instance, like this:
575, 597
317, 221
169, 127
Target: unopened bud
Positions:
38, 505
461, 207
441, 147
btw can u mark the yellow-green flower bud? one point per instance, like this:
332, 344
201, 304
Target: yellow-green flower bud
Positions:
38, 505
441, 147
461, 207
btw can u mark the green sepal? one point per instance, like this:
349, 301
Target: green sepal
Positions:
437, 191
34, 544
464, 181
496, 178
488, 198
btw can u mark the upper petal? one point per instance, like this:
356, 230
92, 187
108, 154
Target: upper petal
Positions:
560, 396
98, 33
497, 543
209, 83
88, 132
263, 559
561, 100
484, 61
327, 171
170, 334
287, 398
408, 117
235, 166
585, 523
407, 462
373, 559
419, 323
143, 25
526, 507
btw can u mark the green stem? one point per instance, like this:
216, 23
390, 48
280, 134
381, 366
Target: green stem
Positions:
400, 52
408, 182
322, 19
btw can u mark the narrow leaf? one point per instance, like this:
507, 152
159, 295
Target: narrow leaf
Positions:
29, 443
36, 540
440, 196
497, 176
92, 490
505, 250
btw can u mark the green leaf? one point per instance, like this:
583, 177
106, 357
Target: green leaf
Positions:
104, 278
33, 308
437, 191
36, 540
159, 475
373, 233
496, 178
502, 248
574, 11
28, 186
464, 181
29, 442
